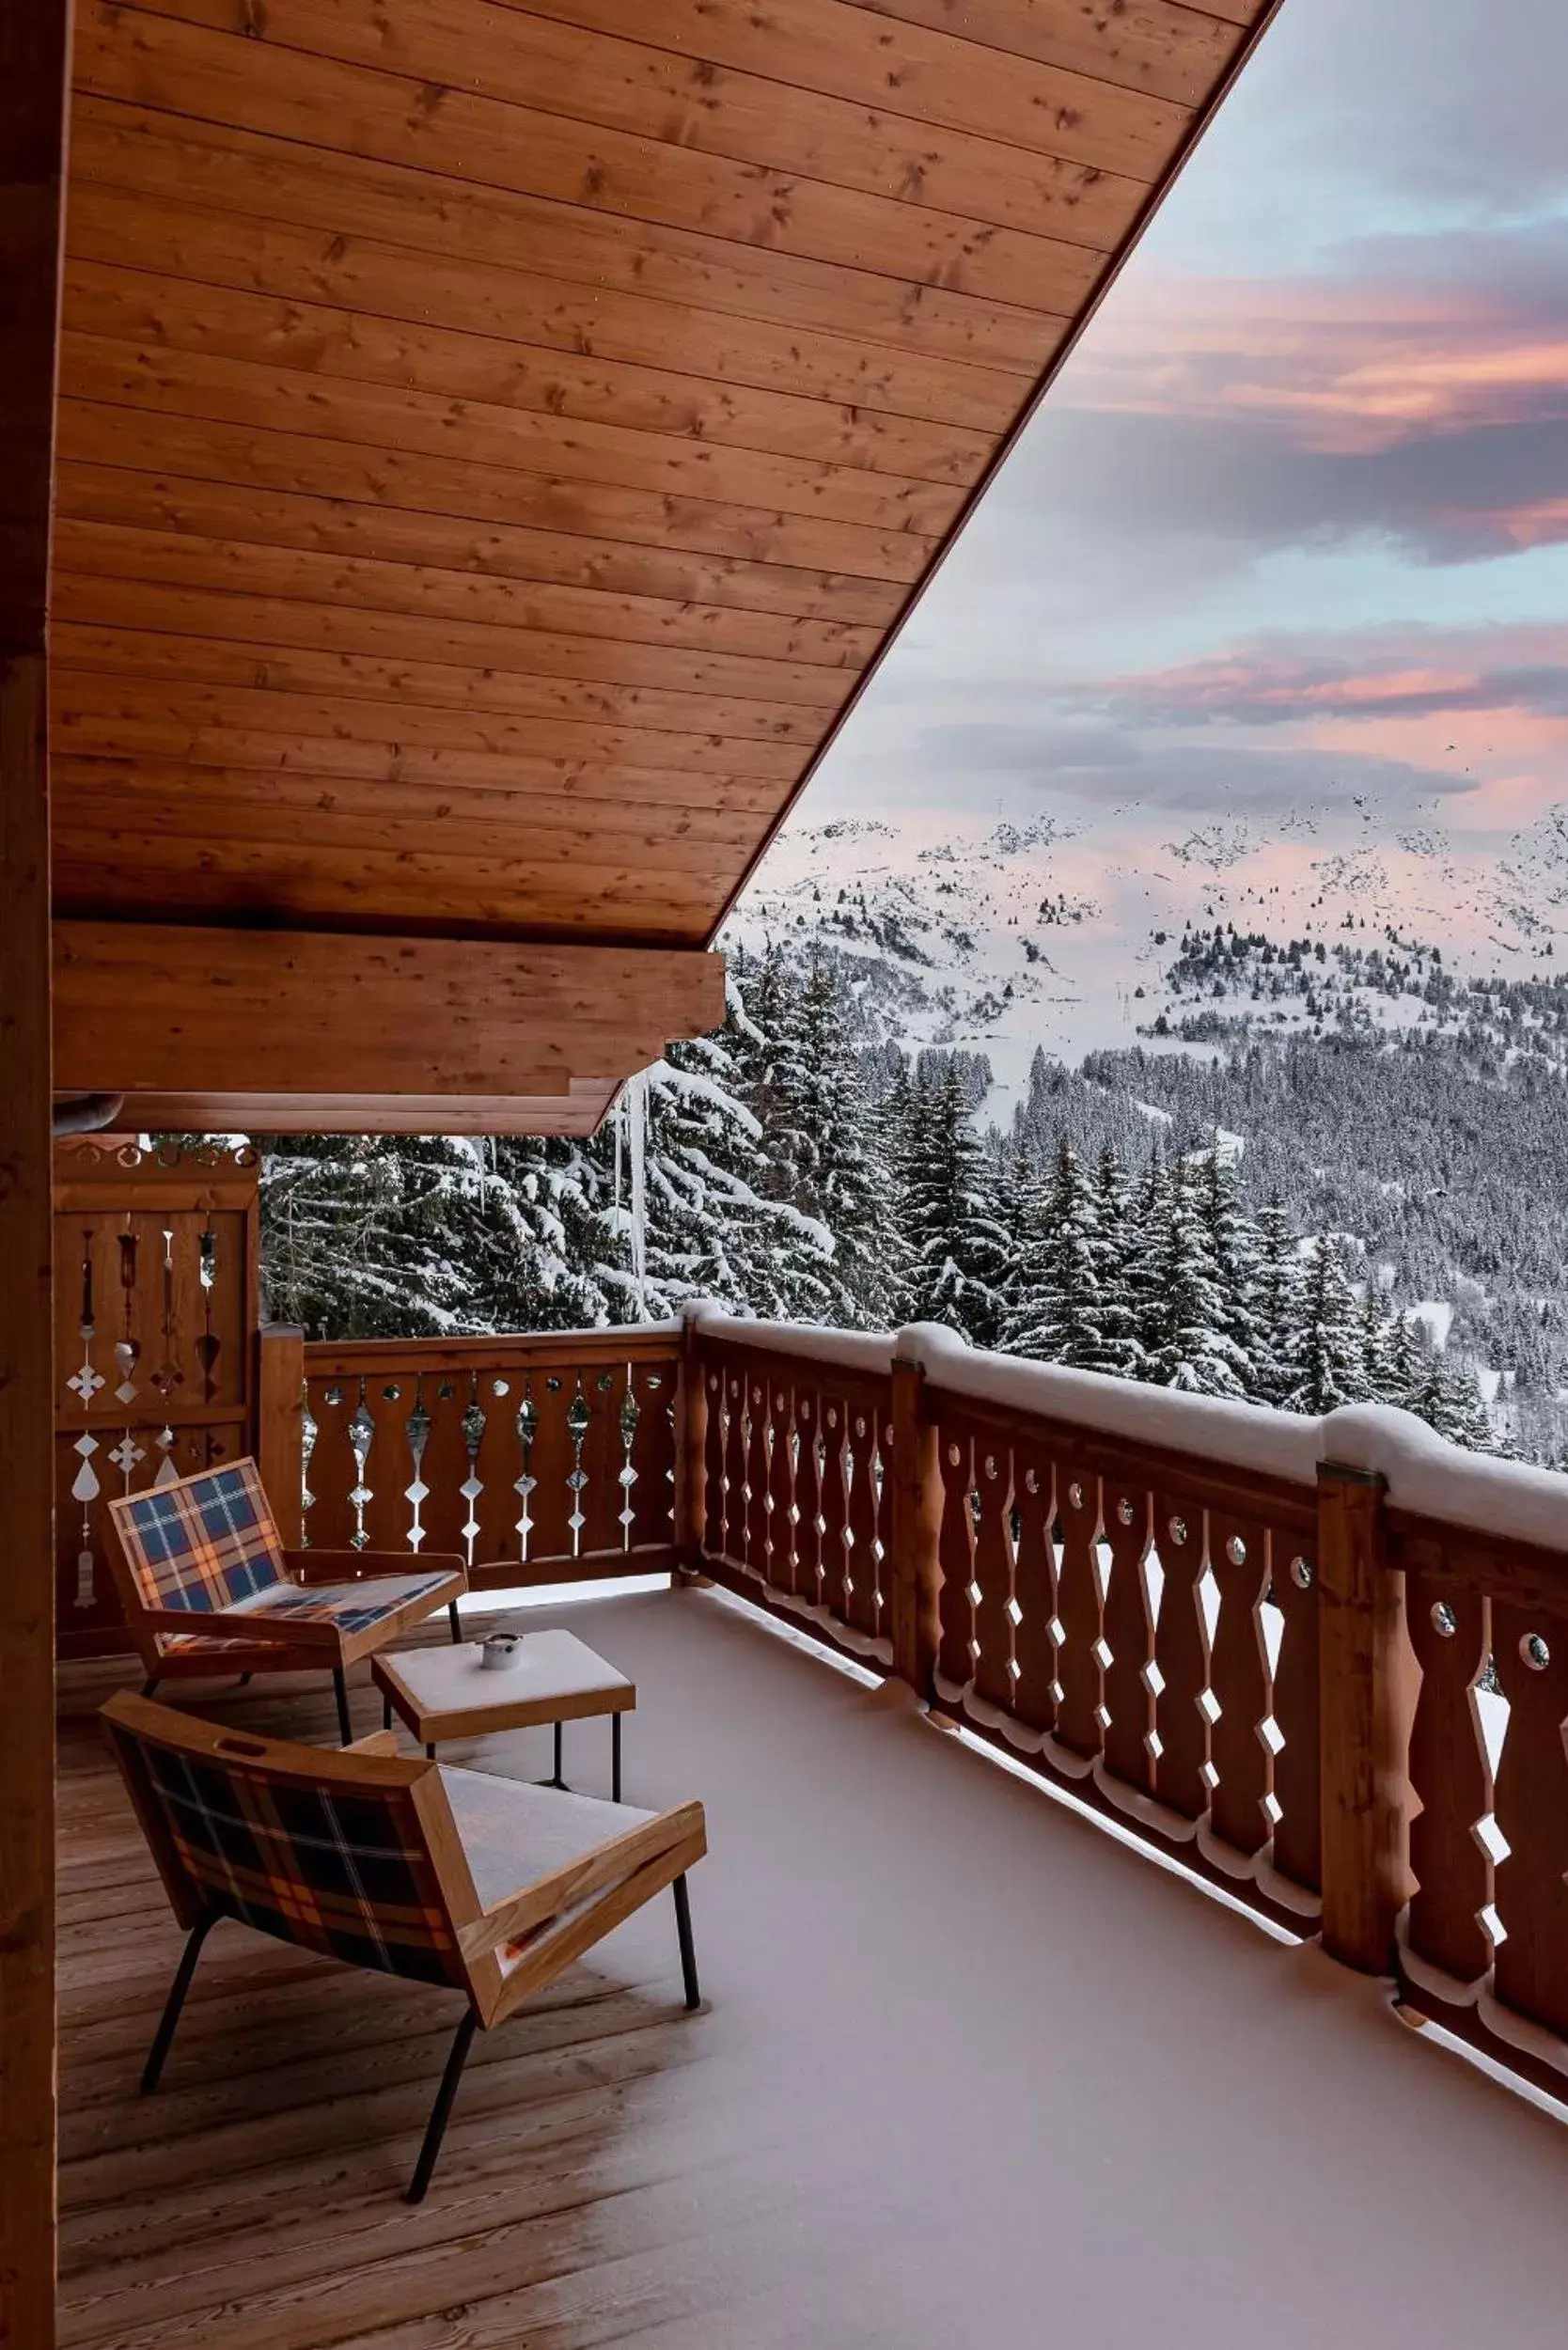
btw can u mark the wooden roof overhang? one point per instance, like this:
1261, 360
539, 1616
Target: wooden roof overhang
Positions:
495, 444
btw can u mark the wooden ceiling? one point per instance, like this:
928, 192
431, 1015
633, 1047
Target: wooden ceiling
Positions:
494, 442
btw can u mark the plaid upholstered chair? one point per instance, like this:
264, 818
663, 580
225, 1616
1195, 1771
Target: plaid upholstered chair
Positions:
410, 1868
205, 1549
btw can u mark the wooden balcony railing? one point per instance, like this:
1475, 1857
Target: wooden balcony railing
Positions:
1283, 1650
533, 1459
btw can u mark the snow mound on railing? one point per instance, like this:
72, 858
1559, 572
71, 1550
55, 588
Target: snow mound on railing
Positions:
1243, 1436
865, 1351
1423, 1472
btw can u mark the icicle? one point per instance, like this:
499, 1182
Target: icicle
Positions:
619, 1146
636, 1140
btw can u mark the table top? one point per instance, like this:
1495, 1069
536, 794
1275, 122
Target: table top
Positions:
445, 1692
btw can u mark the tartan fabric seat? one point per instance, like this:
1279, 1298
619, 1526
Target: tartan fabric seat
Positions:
203, 1552
447, 1877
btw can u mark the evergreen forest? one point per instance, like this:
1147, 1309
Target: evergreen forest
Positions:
1196, 1222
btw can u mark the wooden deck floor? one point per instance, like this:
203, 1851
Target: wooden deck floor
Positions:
969, 2072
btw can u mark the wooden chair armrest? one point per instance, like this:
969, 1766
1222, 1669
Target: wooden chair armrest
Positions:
680, 1832
228, 1623
349, 1566
373, 1742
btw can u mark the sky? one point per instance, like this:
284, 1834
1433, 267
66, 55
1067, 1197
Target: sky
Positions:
1289, 533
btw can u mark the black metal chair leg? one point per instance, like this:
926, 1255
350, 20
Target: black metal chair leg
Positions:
245, 1681
688, 1951
558, 1781
175, 2000
149, 1685
345, 1724
615, 1758
435, 2129
386, 1713
452, 1619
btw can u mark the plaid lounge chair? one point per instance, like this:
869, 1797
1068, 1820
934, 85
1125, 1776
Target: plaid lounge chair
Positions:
445, 1876
205, 1550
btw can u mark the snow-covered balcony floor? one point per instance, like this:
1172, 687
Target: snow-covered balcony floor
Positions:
969, 2072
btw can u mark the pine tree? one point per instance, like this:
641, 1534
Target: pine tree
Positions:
1278, 1303
1332, 1371
1449, 1400
1144, 1271
1233, 1244
828, 1157
1377, 1336
1192, 1348
1056, 1315
1120, 1352
958, 1246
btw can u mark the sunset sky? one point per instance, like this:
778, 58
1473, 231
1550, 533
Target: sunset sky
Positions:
1292, 529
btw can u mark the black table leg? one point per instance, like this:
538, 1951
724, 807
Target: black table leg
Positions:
615, 1758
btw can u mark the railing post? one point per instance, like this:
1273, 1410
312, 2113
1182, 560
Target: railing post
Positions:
280, 1426
915, 1527
1366, 1703
691, 1453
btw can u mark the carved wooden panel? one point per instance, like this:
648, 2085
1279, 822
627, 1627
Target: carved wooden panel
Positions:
506, 1452
155, 1319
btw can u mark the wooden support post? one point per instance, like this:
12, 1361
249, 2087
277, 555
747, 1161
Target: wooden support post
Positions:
280, 1426
1366, 1704
691, 1455
35, 50
916, 1533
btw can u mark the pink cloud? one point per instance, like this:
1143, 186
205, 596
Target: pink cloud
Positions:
1351, 368
1483, 711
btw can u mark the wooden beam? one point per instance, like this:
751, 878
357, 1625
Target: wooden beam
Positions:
147, 1008
35, 44
577, 1111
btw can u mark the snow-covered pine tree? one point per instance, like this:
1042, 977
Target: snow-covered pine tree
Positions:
1016, 1202
1376, 1343
1056, 1315
1278, 1304
958, 1246
556, 1258
1233, 1245
1192, 1348
1121, 1352
1449, 1399
1142, 1273
711, 1229
828, 1150
1332, 1371
375, 1235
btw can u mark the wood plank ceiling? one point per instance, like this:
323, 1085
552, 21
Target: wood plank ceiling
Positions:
496, 441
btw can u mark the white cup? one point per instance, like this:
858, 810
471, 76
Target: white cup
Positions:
500, 1649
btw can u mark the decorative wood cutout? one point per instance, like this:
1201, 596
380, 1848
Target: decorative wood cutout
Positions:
463, 1449
157, 1249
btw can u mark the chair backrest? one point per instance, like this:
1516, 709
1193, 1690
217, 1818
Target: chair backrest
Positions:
201, 1543
334, 1851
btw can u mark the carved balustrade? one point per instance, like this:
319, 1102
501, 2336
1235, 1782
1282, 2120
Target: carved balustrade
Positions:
531, 1458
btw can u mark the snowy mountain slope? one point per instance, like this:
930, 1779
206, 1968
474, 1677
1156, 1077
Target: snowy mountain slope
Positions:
1002, 937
